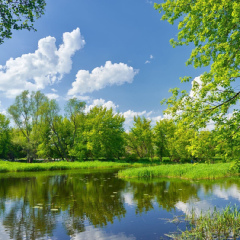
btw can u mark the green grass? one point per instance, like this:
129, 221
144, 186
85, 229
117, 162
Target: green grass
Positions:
184, 171
216, 225
28, 167
6, 166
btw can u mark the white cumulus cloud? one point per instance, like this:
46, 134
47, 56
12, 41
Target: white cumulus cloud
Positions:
100, 77
48, 64
128, 115
231, 192
52, 95
54, 90
102, 102
196, 86
2, 110
198, 207
99, 234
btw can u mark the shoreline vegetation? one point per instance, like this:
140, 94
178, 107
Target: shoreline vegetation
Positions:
182, 171
217, 224
144, 171
6, 166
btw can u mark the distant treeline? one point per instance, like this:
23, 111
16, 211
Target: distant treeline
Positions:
40, 131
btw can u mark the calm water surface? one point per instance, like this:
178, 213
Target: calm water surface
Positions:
97, 205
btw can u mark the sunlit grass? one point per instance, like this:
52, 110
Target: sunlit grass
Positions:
25, 167
216, 225
185, 171
6, 166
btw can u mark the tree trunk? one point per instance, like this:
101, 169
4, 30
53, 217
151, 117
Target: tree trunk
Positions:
29, 159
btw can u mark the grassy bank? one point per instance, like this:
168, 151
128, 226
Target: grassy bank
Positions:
27, 167
215, 225
6, 166
185, 171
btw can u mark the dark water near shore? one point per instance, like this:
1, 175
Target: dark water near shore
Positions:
97, 205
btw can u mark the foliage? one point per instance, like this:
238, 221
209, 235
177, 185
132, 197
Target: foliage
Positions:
163, 137
216, 225
202, 145
103, 133
140, 138
19, 14
5, 137
181, 142
185, 171
213, 28
26, 115
24, 167
40, 131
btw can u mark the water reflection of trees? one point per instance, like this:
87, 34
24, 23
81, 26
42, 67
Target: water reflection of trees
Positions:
166, 193
26, 204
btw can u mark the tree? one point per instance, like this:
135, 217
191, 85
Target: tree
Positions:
75, 118
103, 133
18, 15
5, 138
163, 136
227, 141
140, 138
26, 114
213, 27
202, 145
54, 131
58, 133
179, 143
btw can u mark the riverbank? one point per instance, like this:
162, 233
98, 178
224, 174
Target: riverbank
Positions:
218, 224
6, 166
30, 167
184, 171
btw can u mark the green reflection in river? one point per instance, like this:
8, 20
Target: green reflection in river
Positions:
165, 192
35, 202
31, 204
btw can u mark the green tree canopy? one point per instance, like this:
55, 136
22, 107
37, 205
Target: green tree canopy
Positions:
140, 138
4, 136
25, 112
103, 133
213, 27
164, 137
19, 14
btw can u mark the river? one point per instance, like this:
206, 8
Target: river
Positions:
96, 205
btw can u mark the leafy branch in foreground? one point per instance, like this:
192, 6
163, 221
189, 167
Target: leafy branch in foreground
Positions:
18, 15
213, 27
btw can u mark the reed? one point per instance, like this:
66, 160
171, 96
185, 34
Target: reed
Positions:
212, 225
184, 171
27, 167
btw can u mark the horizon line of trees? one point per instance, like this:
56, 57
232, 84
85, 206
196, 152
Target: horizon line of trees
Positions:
42, 132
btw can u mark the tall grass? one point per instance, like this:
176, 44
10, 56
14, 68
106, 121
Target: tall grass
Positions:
6, 166
215, 225
185, 171
27, 167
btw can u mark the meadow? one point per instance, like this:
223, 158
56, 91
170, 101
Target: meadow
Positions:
184, 171
6, 166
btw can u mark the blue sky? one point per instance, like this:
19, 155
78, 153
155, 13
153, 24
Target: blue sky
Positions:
115, 53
